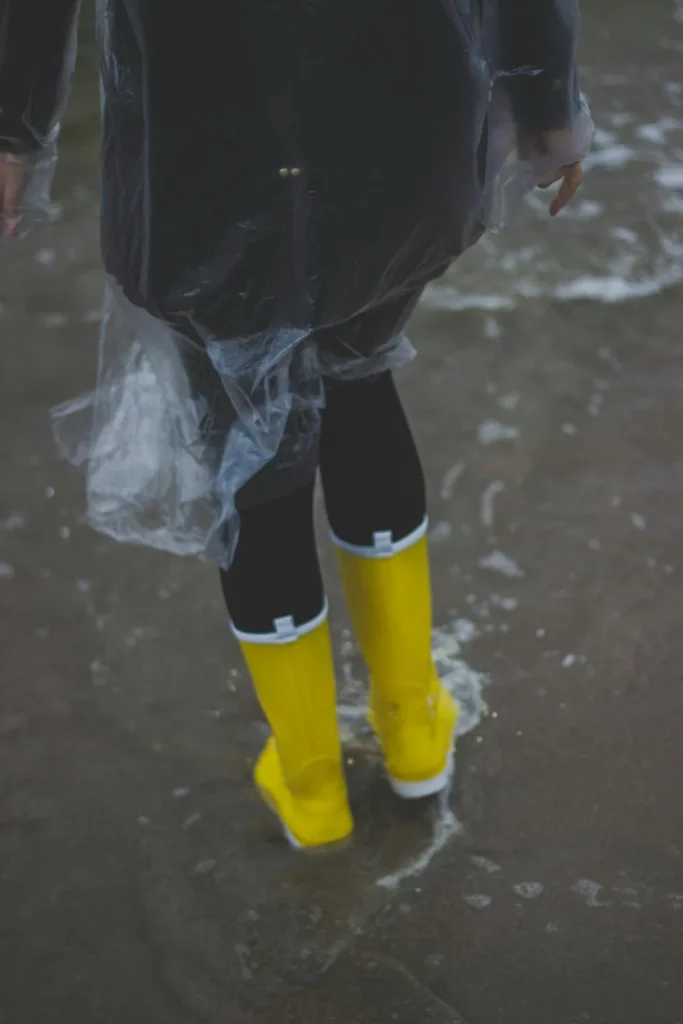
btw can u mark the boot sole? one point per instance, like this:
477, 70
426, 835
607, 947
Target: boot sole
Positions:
425, 787
296, 844
319, 849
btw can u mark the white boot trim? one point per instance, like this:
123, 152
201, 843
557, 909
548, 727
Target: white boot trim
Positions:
384, 544
427, 787
285, 632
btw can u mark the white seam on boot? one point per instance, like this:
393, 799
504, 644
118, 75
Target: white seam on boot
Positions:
286, 632
384, 545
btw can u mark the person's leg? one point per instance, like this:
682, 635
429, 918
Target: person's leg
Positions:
375, 497
371, 470
275, 597
275, 574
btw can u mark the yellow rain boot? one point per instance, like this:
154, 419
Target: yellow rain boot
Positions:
412, 713
299, 773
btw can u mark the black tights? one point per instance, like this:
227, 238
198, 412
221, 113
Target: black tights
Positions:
373, 482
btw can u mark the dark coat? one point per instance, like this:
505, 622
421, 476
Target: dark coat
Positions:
278, 163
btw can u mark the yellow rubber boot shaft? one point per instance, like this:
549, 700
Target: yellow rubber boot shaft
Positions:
412, 713
300, 774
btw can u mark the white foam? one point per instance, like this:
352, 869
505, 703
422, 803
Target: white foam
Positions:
529, 890
499, 562
446, 827
463, 631
463, 681
46, 257
488, 498
509, 402
658, 131
450, 479
492, 329
620, 118
443, 296
13, 522
590, 891
484, 864
440, 532
492, 432
7, 571
611, 157
613, 288
585, 209
478, 901
631, 895
672, 204
623, 234
603, 138
351, 713
670, 177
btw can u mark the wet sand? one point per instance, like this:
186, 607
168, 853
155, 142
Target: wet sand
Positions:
140, 878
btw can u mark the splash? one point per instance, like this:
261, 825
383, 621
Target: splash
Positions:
488, 498
446, 827
491, 432
450, 479
464, 682
501, 563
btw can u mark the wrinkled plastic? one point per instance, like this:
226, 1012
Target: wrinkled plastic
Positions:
280, 181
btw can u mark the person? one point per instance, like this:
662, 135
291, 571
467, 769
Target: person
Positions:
280, 182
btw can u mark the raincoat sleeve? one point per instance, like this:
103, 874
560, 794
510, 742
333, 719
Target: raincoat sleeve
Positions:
538, 120
538, 41
37, 55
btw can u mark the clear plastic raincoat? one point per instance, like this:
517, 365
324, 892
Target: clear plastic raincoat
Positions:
276, 174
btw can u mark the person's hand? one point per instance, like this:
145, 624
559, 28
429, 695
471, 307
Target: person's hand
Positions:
571, 177
557, 146
13, 177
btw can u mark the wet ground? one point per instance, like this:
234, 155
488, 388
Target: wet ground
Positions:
140, 878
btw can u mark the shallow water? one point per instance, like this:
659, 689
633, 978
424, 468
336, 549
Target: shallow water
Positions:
142, 881
623, 238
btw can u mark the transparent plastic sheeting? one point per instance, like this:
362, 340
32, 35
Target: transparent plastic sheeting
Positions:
280, 180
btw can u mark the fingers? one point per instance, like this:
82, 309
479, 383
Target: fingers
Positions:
572, 179
12, 178
549, 182
560, 174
